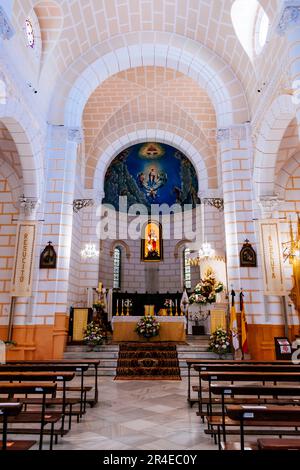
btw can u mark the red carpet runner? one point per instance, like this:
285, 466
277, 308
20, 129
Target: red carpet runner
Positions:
148, 361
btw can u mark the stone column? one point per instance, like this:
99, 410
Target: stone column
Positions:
235, 147
50, 307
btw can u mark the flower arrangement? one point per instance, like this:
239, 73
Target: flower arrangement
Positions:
147, 326
207, 289
93, 334
219, 342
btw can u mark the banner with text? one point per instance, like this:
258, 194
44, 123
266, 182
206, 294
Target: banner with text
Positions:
272, 263
21, 285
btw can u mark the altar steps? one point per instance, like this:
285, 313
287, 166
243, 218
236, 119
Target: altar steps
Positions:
108, 354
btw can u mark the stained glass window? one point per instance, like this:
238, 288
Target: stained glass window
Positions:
186, 269
117, 268
29, 33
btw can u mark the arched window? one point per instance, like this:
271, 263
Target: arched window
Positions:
117, 268
261, 30
2, 92
186, 269
251, 25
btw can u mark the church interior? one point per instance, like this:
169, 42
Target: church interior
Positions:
149, 225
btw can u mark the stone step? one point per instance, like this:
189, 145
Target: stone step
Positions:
196, 348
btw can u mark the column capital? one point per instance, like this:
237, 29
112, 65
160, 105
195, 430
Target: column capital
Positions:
268, 204
236, 132
75, 135
289, 17
28, 207
6, 29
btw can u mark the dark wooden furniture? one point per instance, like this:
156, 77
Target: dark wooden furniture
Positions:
278, 444
225, 390
140, 300
270, 416
63, 377
33, 417
67, 365
208, 362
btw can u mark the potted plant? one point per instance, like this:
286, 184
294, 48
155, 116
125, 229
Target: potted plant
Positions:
219, 342
147, 327
93, 336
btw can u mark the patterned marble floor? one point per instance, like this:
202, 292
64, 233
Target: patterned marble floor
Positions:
139, 415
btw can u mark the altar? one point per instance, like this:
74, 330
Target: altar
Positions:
171, 329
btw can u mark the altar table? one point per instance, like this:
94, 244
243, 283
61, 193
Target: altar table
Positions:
171, 329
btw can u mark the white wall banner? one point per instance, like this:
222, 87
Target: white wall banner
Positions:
272, 262
21, 285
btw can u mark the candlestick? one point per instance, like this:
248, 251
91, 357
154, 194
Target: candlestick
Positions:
117, 313
122, 312
176, 312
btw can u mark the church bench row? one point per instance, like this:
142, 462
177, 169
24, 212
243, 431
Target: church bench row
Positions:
215, 423
62, 376
207, 364
271, 416
44, 375
41, 417
7, 410
242, 374
76, 364
80, 367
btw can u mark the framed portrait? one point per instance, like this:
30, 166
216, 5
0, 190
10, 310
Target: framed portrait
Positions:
247, 256
48, 257
151, 242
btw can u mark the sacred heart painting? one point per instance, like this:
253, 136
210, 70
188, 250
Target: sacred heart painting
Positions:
151, 242
151, 173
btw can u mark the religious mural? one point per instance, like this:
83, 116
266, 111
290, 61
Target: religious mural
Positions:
151, 173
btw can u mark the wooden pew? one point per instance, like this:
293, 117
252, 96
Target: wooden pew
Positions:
216, 370
72, 362
225, 390
45, 377
52, 367
192, 362
271, 416
41, 418
278, 444
7, 410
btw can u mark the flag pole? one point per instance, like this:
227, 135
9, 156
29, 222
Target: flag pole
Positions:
241, 310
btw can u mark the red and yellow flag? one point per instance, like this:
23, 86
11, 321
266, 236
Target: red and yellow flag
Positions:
244, 327
233, 324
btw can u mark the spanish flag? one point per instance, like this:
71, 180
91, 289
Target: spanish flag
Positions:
233, 324
244, 327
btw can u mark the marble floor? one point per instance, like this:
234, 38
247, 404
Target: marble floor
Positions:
136, 415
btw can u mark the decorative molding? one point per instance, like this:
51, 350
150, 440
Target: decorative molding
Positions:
290, 16
28, 206
75, 135
238, 132
268, 204
79, 204
6, 29
217, 202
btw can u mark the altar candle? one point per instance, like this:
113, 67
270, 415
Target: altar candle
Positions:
100, 287
117, 304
